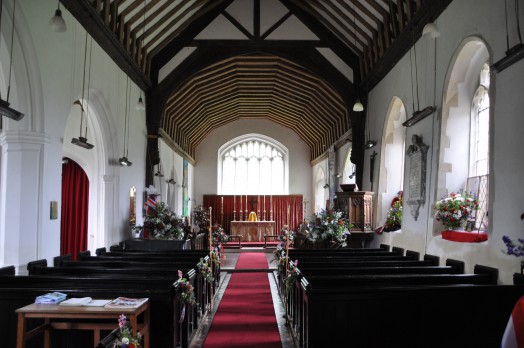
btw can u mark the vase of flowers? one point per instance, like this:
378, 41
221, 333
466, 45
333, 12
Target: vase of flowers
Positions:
162, 223
454, 210
201, 217
330, 226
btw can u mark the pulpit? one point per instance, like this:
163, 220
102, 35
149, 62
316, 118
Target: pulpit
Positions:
358, 206
252, 231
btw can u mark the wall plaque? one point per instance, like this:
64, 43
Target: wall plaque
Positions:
417, 175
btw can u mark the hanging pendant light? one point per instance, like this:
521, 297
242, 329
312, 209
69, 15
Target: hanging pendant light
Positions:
123, 160
357, 107
5, 110
140, 105
57, 23
82, 140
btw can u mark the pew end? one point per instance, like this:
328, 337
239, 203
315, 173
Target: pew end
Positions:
58, 260
397, 250
432, 258
84, 254
413, 254
100, 251
457, 264
8, 270
492, 272
384, 246
33, 264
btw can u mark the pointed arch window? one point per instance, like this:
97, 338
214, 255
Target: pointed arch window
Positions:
253, 164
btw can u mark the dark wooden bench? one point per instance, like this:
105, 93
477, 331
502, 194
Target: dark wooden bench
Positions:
165, 307
110, 340
408, 316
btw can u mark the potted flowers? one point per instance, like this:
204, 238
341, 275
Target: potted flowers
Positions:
455, 210
162, 223
330, 226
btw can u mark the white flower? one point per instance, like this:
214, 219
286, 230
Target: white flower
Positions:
125, 340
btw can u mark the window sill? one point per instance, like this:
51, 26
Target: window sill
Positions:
464, 237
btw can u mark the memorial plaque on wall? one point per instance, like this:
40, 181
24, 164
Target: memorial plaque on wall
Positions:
417, 175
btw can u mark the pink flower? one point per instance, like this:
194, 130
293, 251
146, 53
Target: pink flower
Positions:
179, 274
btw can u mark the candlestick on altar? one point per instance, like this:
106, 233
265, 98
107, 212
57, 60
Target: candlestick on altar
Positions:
288, 224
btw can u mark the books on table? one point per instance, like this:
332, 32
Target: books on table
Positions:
76, 301
52, 297
126, 302
84, 301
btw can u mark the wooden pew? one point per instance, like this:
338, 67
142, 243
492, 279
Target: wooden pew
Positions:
165, 307
408, 316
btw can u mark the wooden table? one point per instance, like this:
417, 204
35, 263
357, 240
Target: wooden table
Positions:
252, 231
70, 318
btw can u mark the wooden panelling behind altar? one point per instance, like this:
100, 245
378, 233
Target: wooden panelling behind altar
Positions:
223, 207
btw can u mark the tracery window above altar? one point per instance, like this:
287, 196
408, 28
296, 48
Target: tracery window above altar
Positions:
253, 164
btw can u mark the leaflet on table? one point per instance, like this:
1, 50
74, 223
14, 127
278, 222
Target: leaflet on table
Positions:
51, 297
76, 301
126, 302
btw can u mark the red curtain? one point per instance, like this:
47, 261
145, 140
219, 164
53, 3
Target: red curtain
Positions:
75, 202
224, 206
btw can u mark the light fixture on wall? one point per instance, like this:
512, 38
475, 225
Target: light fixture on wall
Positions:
159, 171
82, 140
357, 107
123, 160
418, 114
326, 186
515, 53
171, 181
57, 23
140, 105
5, 110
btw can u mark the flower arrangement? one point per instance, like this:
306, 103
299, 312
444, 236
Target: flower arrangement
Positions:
292, 274
514, 248
219, 236
162, 223
215, 256
205, 270
201, 216
453, 211
286, 234
279, 255
330, 225
187, 293
394, 218
127, 339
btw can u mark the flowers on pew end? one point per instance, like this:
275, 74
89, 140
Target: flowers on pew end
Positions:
330, 225
127, 339
455, 210
162, 223
187, 292
219, 236
285, 234
279, 255
292, 274
205, 270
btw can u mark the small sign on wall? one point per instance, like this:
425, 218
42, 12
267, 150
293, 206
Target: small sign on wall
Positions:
53, 210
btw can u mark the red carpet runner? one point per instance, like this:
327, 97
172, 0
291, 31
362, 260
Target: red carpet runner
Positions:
245, 316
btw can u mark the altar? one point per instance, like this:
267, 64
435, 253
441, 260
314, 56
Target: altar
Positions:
252, 231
